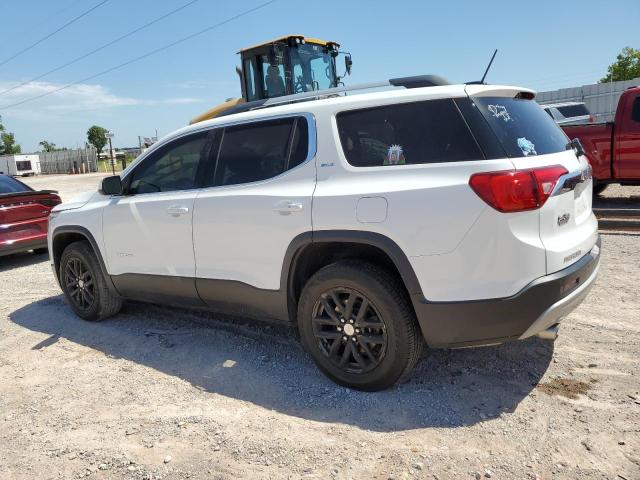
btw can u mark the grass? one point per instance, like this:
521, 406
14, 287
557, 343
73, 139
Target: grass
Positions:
105, 166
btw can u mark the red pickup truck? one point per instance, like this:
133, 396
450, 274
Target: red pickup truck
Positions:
613, 148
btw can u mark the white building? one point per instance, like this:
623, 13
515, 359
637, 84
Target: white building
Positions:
20, 164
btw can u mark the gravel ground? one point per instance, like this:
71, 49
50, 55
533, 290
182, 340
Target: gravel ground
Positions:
169, 393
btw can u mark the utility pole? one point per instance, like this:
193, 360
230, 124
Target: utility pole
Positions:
113, 163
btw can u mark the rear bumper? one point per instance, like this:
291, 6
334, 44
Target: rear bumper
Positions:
537, 307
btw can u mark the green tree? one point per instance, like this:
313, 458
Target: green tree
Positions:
626, 66
8, 145
48, 146
97, 136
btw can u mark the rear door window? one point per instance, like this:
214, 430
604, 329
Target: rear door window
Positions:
261, 150
409, 133
521, 126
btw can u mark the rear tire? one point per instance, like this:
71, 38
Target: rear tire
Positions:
357, 323
84, 284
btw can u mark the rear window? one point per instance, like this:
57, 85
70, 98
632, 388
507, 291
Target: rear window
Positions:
574, 110
635, 112
521, 126
408, 133
11, 185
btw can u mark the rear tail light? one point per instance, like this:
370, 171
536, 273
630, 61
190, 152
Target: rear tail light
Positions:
516, 190
591, 118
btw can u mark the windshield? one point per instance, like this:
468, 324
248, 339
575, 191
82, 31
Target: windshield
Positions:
313, 68
522, 127
11, 185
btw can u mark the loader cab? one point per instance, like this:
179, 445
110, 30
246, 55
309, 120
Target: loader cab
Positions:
283, 66
289, 65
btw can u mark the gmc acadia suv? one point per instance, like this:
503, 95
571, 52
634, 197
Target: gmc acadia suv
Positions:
445, 216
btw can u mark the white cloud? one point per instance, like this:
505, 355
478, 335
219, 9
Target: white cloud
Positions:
76, 97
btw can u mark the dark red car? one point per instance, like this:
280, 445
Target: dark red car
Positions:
24, 216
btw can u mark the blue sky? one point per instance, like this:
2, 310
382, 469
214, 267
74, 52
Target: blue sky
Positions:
543, 45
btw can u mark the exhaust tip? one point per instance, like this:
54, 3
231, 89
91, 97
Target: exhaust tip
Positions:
550, 333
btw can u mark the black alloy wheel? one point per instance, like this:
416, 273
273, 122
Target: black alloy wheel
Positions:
79, 283
349, 330
357, 323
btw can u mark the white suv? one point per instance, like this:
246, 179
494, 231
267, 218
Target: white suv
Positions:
437, 214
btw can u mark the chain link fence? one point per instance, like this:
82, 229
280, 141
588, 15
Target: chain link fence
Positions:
69, 161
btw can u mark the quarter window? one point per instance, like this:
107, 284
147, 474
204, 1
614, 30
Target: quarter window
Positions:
411, 133
261, 150
173, 167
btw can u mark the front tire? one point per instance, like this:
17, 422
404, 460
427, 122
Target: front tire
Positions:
84, 285
356, 321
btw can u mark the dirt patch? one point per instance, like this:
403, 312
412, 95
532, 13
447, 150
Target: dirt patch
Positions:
166, 393
566, 387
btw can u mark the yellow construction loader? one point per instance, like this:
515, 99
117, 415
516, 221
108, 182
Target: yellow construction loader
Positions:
288, 65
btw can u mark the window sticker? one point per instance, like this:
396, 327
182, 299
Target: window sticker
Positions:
527, 146
394, 156
500, 111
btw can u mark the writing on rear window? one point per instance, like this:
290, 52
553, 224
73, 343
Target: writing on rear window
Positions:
499, 111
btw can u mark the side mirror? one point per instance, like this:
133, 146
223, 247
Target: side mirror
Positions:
111, 185
577, 147
348, 63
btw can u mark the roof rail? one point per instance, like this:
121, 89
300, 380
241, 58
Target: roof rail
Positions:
418, 81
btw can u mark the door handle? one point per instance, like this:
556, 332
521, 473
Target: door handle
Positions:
176, 210
287, 207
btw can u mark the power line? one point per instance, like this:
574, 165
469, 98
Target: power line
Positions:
38, 42
148, 54
102, 47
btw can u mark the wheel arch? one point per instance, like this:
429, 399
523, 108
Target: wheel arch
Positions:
311, 251
64, 236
